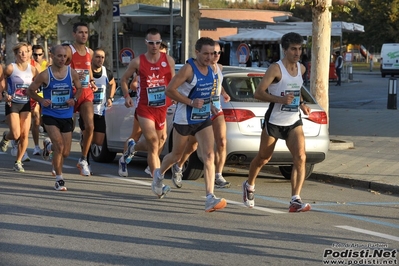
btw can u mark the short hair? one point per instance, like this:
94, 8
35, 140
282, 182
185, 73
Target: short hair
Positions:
55, 48
152, 31
98, 49
204, 41
18, 46
37, 46
291, 38
79, 24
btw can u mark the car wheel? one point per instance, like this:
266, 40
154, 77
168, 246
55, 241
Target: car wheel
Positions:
102, 155
286, 170
193, 168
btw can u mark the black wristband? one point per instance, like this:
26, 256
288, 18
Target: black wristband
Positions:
302, 102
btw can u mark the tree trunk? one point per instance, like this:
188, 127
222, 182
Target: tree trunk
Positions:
105, 34
321, 52
194, 25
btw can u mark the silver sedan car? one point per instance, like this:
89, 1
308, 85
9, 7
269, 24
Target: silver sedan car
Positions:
244, 116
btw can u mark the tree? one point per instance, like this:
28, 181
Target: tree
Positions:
105, 15
10, 17
34, 22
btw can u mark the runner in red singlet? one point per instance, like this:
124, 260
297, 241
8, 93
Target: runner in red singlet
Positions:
154, 70
79, 57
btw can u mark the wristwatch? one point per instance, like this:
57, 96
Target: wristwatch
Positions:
303, 102
112, 99
76, 100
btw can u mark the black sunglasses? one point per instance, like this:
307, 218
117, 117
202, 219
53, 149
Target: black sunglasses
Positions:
217, 52
37, 54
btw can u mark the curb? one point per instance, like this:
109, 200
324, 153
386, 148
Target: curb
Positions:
355, 183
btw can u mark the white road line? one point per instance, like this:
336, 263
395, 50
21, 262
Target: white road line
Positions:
256, 208
49, 163
367, 232
129, 180
228, 201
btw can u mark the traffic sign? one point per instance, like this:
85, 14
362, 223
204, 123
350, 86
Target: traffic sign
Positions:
126, 55
116, 14
243, 53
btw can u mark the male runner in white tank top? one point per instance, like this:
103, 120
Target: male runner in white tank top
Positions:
281, 87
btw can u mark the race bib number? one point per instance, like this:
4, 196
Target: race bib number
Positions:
59, 98
294, 105
20, 92
216, 101
84, 77
99, 95
156, 96
203, 112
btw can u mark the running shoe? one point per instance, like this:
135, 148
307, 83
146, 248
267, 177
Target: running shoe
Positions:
220, 182
157, 187
60, 185
36, 150
298, 206
18, 167
129, 154
46, 153
26, 157
122, 168
177, 176
83, 167
14, 147
248, 195
148, 171
4, 142
213, 204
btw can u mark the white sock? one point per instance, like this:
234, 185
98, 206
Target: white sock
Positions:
250, 188
218, 175
295, 197
58, 177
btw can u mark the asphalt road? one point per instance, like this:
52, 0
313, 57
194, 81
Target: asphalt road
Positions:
108, 220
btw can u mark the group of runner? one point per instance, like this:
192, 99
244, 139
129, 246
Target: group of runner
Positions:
76, 81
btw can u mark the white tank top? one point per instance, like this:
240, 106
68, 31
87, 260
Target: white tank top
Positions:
285, 114
18, 83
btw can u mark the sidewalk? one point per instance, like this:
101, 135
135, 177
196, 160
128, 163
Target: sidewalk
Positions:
373, 161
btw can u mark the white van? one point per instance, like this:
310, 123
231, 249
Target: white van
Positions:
389, 59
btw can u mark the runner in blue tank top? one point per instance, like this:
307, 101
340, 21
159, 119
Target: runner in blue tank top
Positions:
192, 88
57, 104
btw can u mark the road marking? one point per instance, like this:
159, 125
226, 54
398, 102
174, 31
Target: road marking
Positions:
368, 232
129, 180
49, 163
256, 208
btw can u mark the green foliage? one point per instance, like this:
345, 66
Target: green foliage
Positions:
11, 13
45, 26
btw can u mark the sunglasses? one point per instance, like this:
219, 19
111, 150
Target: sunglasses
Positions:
154, 42
217, 52
37, 54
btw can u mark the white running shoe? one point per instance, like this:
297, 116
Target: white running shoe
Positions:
36, 150
148, 171
83, 166
45, 152
122, 168
60, 185
26, 157
157, 187
129, 154
14, 148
